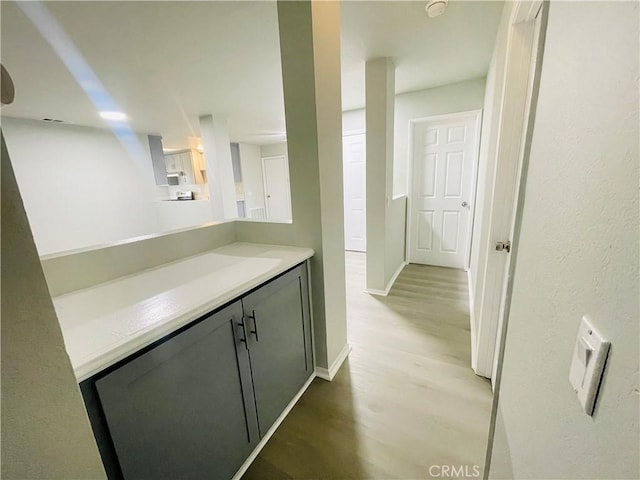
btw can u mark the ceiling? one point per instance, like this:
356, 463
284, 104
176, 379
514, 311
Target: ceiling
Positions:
165, 63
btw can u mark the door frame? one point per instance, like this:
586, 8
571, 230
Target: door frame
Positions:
264, 184
525, 11
514, 122
413, 122
349, 133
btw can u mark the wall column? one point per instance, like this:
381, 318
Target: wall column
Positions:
217, 155
380, 96
310, 52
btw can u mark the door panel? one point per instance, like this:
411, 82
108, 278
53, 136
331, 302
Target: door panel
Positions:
444, 159
353, 155
185, 408
279, 343
276, 188
450, 228
425, 230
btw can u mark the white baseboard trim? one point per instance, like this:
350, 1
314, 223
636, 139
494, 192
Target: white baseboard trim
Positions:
272, 430
328, 374
385, 292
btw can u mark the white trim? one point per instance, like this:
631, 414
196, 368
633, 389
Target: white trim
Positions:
330, 373
474, 175
360, 131
513, 122
385, 292
526, 11
472, 320
247, 463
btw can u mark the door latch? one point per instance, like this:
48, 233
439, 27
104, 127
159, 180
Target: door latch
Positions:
503, 246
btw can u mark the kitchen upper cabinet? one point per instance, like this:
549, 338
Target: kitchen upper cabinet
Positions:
187, 165
277, 319
157, 160
184, 409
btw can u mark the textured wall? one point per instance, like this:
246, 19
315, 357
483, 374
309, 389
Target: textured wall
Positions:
577, 254
45, 429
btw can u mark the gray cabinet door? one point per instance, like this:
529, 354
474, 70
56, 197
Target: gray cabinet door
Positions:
279, 328
185, 408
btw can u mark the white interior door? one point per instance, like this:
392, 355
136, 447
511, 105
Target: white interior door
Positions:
275, 171
444, 159
353, 156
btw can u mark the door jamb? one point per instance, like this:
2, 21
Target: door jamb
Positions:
509, 138
524, 11
476, 148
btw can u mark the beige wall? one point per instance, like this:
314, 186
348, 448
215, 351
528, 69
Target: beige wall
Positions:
66, 273
45, 429
577, 254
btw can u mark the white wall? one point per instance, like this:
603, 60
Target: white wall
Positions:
80, 186
456, 97
577, 253
45, 429
175, 215
217, 155
273, 149
251, 164
353, 121
395, 233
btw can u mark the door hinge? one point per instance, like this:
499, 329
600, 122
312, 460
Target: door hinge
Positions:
503, 246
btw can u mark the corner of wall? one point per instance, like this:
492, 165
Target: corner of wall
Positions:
45, 428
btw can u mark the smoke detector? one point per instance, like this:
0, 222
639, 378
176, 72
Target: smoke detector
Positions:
435, 8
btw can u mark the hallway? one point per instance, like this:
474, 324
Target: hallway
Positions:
405, 399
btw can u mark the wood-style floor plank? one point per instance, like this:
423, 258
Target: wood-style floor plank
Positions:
405, 399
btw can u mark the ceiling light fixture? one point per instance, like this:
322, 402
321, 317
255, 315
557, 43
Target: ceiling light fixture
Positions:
435, 8
114, 116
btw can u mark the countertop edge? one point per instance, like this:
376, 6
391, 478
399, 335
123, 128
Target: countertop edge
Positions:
105, 359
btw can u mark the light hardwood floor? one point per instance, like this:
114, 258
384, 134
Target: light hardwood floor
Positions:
405, 400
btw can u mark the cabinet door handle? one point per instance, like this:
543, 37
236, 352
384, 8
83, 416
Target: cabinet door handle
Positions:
243, 339
255, 324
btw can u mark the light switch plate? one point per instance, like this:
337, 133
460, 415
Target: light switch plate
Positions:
589, 356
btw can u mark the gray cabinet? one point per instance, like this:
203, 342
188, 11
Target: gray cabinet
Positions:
185, 408
195, 404
279, 343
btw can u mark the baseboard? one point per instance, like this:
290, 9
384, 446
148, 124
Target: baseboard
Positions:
272, 430
325, 374
328, 374
385, 292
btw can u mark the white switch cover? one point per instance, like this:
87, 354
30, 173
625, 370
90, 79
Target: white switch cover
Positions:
589, 357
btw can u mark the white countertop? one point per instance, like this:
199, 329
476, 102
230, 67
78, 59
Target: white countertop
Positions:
105, 323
